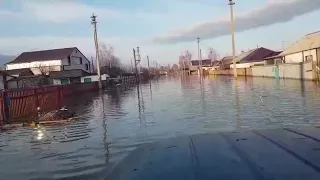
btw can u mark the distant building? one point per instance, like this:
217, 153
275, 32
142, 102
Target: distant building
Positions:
42, 62
304, 50
225, 62
254, 57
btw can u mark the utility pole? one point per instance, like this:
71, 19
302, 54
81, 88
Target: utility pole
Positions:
148, 64
92, 68
198, 41
94, 22
282, 45
139, 59
231, 4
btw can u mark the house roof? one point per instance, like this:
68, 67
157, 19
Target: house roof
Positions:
226, 60
205, 62
255, 55
27, 77
216, 63
309, 41
68, 74
45, 55
18, 71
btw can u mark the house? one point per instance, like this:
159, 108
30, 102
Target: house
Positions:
29, 81
254, 57
304, 50
19, 72
215, 64
225, 62
68, 76
42, 62
195, 65
93, 78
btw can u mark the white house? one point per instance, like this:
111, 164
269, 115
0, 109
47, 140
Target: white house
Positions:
42, 62
306, 49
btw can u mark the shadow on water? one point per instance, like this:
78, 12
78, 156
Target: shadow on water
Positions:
112, 123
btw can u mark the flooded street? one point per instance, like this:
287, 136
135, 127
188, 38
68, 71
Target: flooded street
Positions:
113, 123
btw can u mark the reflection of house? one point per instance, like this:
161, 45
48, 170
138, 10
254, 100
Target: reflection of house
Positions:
68, 76
306, 49
254, 57
41, 62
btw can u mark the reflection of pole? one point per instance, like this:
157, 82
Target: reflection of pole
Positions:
231, 3
201, 62
94, 22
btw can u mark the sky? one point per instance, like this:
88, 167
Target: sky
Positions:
163, 29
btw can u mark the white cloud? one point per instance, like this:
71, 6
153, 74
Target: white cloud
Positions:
271, 13
65, 11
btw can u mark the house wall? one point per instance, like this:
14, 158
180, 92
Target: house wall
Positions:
95, 78
56, 81
55, 63
294, 71
300, 56
75, 62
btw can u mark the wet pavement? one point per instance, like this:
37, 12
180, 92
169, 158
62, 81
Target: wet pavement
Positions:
112, 124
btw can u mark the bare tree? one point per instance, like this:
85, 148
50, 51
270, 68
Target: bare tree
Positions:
44, 70
107, 57
213, 55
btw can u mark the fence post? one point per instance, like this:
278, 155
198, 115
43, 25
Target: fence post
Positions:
6, 105
37, 97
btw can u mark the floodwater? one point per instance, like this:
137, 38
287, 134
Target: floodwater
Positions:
113, 123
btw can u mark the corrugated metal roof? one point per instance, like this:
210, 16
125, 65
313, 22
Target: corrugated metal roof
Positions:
45, 55
310, 41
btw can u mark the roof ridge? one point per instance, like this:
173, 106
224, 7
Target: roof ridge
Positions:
49, 49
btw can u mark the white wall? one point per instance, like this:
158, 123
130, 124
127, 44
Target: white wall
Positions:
300, 56
95, 77
56, 81
247, 65
75, 62
33, 64
285, 71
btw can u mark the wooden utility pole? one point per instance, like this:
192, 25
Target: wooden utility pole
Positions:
92, 65
136, 62
199, 60
231, 4
94, 22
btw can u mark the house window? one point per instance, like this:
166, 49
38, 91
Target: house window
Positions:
69, 60
308, 58
87, 66
80, 60
64, 81
87, 80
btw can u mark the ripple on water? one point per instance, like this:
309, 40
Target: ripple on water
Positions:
114, 123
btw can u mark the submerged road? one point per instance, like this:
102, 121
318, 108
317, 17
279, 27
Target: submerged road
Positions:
199, 117
251, 155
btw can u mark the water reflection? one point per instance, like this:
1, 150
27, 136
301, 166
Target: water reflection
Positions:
113, 123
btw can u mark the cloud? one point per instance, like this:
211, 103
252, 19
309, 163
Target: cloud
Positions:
65, 11
271, 13
7, 13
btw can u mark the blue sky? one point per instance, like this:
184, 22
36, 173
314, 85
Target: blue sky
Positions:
162, 28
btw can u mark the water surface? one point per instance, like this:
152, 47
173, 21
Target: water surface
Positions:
115, 122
